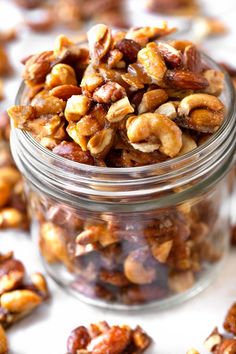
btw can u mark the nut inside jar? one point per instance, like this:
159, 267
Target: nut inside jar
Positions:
130, 100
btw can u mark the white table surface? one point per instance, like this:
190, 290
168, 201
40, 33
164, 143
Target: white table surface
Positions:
174, 330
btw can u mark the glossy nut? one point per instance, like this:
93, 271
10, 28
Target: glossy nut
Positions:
76, 107
5, 192
20, 301
61, 74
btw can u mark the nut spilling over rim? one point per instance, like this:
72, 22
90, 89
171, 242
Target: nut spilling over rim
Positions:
130, 99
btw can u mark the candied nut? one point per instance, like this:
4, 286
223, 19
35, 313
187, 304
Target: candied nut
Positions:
192, 59
88, 125
64, 92
150, 58
20, 301
11, 275
99, 38
72, 151
199, 100
151, 100
46, 104
91, 79
212, 342
100, 144
216, 82
75, 135
21, 115
180, 44
5, 192
40, 284
10, 218
188, 144
137, 294
114, 341
77, 106
96, 233
204, 121
38, 66
140, 339
3, 341
78, 339
161, 252
171, 55
143, 35
112, 277
185, 80
144, 126
168, 109
109, 92
129, 49
52, 243
181, 281
61, 74
119, 110
135, 268
230, 320
227, 346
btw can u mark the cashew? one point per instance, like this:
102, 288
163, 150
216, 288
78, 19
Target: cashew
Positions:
199, 100
188, 144
168, 109
135, 269
146, 147
147, 125
204, 120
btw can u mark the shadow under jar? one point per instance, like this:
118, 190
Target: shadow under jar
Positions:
131, 237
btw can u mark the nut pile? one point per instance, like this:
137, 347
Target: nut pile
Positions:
130, 100
18, 297
13, 213
218, 343
100, 338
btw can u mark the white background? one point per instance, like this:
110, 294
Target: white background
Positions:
174, 330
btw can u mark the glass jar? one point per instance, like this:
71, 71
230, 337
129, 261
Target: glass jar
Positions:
131, 237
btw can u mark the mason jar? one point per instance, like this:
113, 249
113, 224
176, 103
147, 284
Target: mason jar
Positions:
131, 237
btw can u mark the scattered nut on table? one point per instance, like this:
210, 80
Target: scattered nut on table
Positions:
101, 338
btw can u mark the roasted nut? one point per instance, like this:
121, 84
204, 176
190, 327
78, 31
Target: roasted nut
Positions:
152, 100
21, 115
99, 38
192, 59
114, 341
40, 284
91, 79
98, 233
152, 124
135, 269
119, 110
17, 301
77, 106
183, 79
78, 339
61, 74
199, 100
109, 92
129, 49
230, 320
3, 341
11, 275
38, 66
153, 63
171, 55
212, 342
100, 144
115, 278
161, 252
192, 351
143, 35
64, 92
